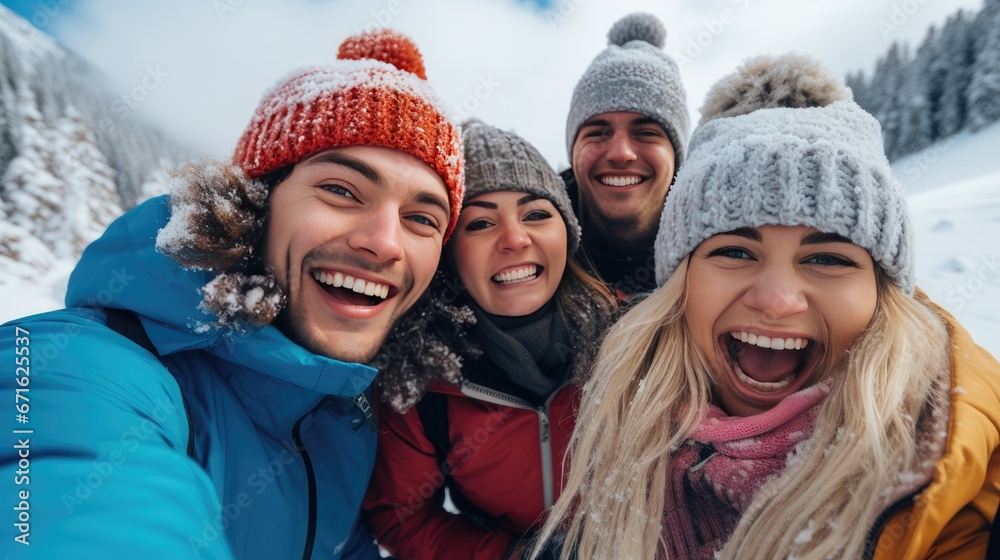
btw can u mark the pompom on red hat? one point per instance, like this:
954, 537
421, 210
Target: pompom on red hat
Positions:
375, 94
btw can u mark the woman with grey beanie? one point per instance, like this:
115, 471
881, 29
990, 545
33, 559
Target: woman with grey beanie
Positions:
786, 392
493, 413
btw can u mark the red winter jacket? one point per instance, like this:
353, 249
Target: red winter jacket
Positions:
506, 457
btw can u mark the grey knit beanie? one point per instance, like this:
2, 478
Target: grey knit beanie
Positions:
497, 160
634, 75
782, 143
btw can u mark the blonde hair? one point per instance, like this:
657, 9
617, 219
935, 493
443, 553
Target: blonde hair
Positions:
650, 388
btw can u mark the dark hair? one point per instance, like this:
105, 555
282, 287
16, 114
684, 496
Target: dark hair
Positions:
272, 178
587, 305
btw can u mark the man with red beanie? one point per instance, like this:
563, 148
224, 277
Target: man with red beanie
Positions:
205, 394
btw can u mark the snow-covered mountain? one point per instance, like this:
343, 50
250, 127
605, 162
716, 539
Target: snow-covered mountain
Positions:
69, 164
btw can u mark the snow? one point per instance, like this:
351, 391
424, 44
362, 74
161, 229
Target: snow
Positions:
806, 534
28, 40
953, 190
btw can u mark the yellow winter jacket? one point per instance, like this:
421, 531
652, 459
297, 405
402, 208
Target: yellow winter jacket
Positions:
951, 518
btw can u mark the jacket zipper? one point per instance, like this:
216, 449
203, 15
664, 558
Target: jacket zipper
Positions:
544, 427
545, 436
880, 522
311, 478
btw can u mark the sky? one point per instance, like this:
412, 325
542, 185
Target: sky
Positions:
198, 68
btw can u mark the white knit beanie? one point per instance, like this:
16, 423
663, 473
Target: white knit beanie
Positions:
781, 142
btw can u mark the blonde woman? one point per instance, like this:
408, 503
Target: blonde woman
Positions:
786, 392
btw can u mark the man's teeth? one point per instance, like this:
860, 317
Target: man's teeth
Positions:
341, 280
621, 181
761, 385
772, 343
517, 275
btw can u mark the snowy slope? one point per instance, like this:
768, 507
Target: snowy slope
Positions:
954, 196
62, 180
33, 44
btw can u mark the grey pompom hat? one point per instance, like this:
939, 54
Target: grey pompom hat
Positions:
498, 160
782, 143
633, 75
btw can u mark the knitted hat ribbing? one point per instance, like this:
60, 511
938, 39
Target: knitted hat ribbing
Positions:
633, 75
497, 160
781, 143
375, 94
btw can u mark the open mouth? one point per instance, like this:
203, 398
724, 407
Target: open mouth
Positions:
621, 180
352, 291
768, 364
517, 275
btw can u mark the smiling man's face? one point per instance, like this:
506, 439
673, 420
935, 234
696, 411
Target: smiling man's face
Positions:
624, 165
354, 238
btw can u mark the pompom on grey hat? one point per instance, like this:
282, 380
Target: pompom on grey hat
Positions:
633, 75
782, 143
498, 160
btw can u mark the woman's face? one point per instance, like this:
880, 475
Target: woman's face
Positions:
765, 305
509, 250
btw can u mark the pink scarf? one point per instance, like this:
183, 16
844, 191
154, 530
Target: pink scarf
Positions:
716, 474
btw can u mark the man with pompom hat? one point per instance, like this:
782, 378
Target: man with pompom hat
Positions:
626, 135
205, 393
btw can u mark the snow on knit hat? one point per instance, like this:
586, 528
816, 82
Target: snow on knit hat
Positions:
498, 160
375, 94
781, 142
633, 75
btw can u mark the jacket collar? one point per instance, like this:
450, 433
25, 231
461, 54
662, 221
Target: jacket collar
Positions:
124, 270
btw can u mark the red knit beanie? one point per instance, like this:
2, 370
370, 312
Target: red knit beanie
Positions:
376, 94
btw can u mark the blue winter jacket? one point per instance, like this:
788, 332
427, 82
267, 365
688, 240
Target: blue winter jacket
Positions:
282, 451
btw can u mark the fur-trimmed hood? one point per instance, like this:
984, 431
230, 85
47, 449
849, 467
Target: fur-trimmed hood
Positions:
217, 223
124, 270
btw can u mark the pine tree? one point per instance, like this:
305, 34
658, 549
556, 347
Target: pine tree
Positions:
32, 189
10, 74
887, 89
952, 71
984, 88
859, 89
91, 198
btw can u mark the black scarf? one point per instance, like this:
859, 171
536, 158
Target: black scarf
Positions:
534, 352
